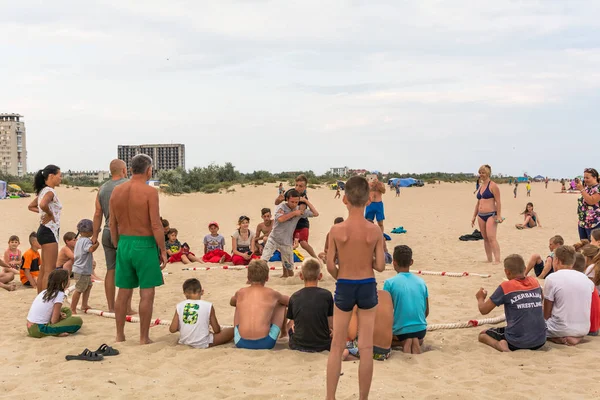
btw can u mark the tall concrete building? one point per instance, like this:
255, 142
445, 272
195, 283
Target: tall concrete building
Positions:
13, 145
164, 156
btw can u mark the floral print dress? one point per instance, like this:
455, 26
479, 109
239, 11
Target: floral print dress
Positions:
589, 215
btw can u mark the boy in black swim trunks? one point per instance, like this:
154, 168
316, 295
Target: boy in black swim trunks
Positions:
358, 245
543, 269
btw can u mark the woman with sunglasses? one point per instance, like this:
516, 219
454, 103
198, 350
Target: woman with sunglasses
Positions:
242, 243
588, 206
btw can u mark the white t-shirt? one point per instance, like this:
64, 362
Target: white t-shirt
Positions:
589, 272
194, 321
571, 291
41, 311
55, 206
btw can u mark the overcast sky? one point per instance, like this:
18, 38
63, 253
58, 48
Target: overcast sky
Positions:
408, 86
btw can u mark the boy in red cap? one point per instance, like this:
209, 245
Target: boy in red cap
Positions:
214, 246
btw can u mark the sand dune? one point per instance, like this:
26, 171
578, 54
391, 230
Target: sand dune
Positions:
456, 365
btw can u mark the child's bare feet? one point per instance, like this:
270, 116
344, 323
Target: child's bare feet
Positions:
64, 334
9, 286
222, 260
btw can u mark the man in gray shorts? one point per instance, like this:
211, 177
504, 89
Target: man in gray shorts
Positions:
118, 172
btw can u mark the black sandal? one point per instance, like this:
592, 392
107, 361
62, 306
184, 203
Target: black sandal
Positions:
86, 355
105, 350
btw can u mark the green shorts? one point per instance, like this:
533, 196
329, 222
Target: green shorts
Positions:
138, 263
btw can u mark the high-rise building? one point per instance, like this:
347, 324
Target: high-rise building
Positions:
13, 148
164, 156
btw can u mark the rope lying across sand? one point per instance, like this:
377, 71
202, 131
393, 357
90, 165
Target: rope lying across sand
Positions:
419, 272
434, 327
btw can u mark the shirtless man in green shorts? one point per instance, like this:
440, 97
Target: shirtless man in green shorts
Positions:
137, 233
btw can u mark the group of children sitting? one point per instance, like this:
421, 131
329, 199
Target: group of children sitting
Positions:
263, 315
564, 311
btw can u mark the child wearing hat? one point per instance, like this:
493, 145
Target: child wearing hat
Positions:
214, 246
83, 265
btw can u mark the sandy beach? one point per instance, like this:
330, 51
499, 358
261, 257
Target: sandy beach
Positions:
455, 366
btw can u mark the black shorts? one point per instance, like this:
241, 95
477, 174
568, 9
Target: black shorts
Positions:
498, 334
539, 267
362, 292
418, 335
45, 235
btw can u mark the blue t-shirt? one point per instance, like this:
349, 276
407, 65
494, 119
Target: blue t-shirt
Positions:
522, 300
409, 296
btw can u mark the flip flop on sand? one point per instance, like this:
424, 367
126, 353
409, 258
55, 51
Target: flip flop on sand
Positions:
106, 351
86, 355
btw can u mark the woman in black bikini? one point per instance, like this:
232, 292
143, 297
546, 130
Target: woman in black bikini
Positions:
488, 213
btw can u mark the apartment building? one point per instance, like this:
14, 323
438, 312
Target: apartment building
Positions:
13, 145
164, 156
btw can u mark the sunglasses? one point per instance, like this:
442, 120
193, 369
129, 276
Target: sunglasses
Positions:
591, 171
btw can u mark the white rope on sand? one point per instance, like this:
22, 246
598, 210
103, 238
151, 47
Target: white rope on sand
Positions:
469, 324
434, 327
419, 272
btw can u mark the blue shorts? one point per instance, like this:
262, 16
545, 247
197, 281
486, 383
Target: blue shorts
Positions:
349, 292
266, 343
375, 210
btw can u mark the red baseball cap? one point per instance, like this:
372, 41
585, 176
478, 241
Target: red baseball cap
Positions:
213, 223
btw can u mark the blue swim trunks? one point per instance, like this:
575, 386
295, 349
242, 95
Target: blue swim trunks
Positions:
375, 211
266, 343
361, 292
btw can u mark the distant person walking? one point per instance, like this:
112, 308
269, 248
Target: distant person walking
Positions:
546, 182
49, 208
488, 211
588, 206
118, 173
137, 233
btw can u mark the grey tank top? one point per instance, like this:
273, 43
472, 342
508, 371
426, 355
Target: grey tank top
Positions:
104, 197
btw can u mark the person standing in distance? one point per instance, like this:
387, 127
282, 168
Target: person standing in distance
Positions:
137, 233
118, 173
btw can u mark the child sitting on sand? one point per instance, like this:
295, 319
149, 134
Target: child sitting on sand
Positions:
242, 243
310, 312
263, 230
531, 219
31, 263
592, 267
66, 257
83, 266
595, 236
178, 252
579, 266
46, 316
382, 331
411, 303
12, 255
323, 254
214, 246
287, 215
543, 268
522, 299
259, 317
358, 245
194, 316
9, 267
567, 300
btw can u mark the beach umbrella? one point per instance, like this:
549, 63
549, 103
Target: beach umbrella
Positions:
16, 187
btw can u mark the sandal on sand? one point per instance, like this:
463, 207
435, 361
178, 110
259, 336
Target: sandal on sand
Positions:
86, 355
105, 350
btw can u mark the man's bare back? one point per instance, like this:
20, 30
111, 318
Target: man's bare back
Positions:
384, 320
377, 189
356, 241
134, 207
255, 306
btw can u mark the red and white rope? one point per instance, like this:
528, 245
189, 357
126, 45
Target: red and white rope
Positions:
433, 327
418, 272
